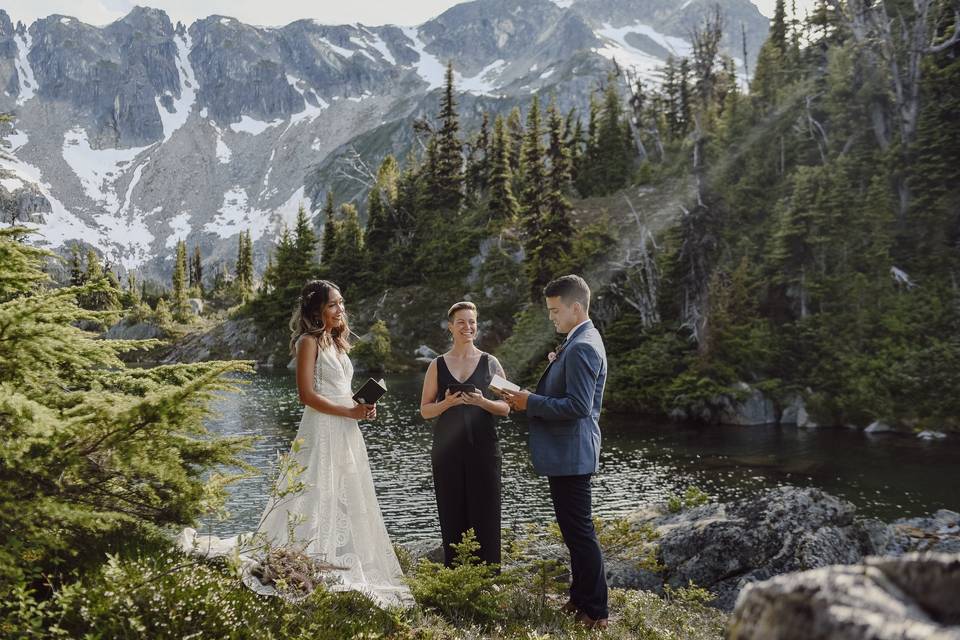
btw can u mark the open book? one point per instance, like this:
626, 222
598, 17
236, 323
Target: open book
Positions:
499, 383
371, 391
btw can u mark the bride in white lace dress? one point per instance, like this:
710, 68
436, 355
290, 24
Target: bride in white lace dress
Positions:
335, 516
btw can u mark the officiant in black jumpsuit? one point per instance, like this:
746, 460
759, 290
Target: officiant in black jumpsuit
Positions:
465, 455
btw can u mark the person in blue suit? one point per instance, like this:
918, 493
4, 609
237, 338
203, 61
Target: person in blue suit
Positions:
564, 414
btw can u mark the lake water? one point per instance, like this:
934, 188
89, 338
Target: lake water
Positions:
642, 462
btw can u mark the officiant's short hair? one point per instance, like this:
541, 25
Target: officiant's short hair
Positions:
460, 306
570, 288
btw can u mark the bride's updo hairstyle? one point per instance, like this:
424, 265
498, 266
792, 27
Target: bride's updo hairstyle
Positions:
308, 318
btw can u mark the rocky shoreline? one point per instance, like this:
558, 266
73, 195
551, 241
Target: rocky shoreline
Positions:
786, 540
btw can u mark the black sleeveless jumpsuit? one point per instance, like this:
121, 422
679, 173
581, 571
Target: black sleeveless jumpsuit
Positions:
466, 467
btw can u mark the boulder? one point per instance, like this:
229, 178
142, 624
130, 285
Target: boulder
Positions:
931, 435
792, 410
913, 597
196, 306
878, 427
803, 418
133, 331
425, 352
756, 408
723, 547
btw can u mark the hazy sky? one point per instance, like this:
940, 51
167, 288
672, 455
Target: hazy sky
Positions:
259, 12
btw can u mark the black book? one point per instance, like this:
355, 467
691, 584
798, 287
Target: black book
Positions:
371, 391
462, 388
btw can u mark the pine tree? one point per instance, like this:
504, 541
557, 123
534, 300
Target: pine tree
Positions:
244, 267
534, 180
331, 235
613, 156
348, 260
447, 166
305, 247
105, 297
479, 160
515, 135
549, 253
94, 451
77, 276
502, 206
196, 273
588, 170
181, 307
778, 28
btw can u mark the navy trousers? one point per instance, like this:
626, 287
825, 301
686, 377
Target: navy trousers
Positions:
571, 504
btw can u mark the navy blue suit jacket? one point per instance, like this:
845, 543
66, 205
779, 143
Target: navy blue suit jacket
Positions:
564, 412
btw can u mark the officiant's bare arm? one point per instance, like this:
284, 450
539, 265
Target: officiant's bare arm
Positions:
306, 362
429, 407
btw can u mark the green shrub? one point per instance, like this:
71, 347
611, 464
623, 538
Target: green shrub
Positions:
470, 591
374, 353
692, 497
173, 596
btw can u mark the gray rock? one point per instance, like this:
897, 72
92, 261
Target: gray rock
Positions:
423, 351
804, 419
196, 306
755, 409
723, 547
792, 410
931, 435
135, 331
878, 427
909, 598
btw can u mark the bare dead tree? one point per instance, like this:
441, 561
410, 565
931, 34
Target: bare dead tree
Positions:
351, 166
743, 40
639, 282
706, 50
634, 89
897, 45
816, 130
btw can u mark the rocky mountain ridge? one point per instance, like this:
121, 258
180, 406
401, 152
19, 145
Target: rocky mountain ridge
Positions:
130, 136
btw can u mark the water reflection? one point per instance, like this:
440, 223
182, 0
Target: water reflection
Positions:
641, 462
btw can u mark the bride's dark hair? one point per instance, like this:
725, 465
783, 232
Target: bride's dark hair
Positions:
308, 318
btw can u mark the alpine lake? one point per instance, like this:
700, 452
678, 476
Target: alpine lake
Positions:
886, 475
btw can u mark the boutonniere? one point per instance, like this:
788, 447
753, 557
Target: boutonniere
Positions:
551, 356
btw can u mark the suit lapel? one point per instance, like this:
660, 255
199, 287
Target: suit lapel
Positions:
570, 339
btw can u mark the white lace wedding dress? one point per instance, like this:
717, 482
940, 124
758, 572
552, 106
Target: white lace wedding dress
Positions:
336, 517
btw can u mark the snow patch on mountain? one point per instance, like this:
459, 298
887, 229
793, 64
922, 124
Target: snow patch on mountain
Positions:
377, 43
485, 82
179, 228
188, 90
27, 81
253, 127
644, 64
235, 215
429, 67
98, 169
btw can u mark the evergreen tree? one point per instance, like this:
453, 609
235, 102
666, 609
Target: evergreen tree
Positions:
181, 308
331, 234
588, 170
549, 253
244, 267
479, 160
613, 156
196, 272
93, 451
534, 181
77, 275
305, 247
105, 297
502, 206
778, 28
515, 135
348, 260
447, 158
